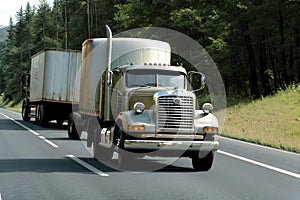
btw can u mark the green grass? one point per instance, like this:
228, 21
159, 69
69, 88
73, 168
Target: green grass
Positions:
10, 106
272, 121
16, 108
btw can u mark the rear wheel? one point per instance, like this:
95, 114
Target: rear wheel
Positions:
41, 115
25, 111
203, 164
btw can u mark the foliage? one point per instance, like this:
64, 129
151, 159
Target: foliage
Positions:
255, 44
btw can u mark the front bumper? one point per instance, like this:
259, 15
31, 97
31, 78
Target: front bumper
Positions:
153, 145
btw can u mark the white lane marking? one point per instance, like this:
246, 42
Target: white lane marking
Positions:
31, 131
295, 175
48, 141
88, 166
261, 146
0, 197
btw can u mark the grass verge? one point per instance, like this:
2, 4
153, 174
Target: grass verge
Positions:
272, 121
9, 105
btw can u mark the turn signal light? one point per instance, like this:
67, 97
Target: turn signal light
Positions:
136, 128
208, 129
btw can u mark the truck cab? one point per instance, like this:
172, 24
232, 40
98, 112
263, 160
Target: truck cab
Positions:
156, 112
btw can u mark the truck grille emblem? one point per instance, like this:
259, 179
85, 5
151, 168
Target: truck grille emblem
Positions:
177, 101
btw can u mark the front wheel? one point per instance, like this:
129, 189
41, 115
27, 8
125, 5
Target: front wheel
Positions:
125, 158
203, 164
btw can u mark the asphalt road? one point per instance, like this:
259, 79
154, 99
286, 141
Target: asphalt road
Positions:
41, 163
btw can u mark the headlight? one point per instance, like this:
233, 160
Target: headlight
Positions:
139, 107
207, 108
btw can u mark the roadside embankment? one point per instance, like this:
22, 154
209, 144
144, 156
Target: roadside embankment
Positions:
272, 121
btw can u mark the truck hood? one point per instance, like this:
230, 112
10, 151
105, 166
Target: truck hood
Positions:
144, 95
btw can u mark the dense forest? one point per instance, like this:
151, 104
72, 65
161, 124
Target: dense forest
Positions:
255, 44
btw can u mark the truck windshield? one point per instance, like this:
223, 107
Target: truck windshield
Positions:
155, 78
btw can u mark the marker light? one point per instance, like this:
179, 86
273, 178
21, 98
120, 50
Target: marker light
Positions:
156, 64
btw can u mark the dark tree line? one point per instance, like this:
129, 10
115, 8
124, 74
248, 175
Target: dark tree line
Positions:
254, 43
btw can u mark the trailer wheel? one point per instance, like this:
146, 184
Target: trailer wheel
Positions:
25, 111
72, 131
101, 153
41, 115
203, 164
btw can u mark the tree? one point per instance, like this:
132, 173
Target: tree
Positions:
255, 44
45, 27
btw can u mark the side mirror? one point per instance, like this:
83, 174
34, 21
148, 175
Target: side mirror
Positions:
111, 76
116, 71
197, 80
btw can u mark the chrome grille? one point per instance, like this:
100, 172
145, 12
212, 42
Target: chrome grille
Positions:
175, 112
119, 103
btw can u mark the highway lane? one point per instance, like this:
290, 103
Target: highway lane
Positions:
31, 168
282, 159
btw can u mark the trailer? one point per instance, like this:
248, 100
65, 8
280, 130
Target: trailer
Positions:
49, 86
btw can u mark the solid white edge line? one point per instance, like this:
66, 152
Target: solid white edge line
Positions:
88, 166
51, 143
295, 175
23, 126
31, 131
0, 197
48, 141
261, 146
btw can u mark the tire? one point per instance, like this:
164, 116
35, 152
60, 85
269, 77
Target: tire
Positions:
25, 111
41, 115
203, 164
101, 153
72, 130
37, 114
124, 157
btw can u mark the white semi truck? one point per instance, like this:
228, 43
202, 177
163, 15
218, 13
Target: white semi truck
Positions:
132, 101
49, 86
